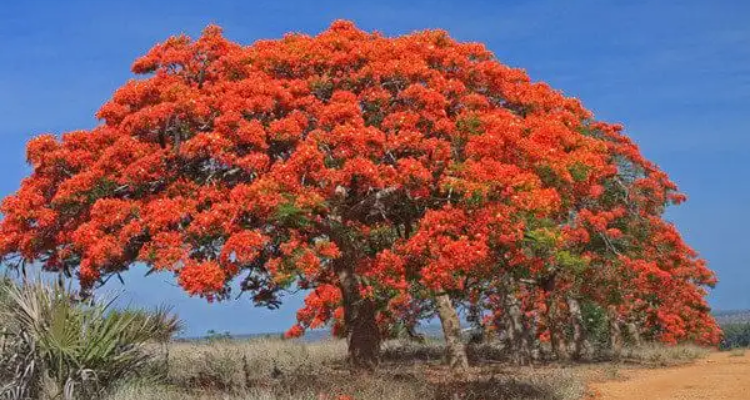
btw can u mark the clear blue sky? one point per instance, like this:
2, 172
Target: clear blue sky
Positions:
676, 73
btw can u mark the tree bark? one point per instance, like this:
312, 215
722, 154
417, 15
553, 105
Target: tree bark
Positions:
517, 335
633, 333
363, 334
474, 318
581, 346
454, 346
615, 334
415, 336
557, 334
559, 344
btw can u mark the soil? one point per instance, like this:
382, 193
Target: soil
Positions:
720, 376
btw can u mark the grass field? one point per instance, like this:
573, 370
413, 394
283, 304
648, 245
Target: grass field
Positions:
276, 369
270, 369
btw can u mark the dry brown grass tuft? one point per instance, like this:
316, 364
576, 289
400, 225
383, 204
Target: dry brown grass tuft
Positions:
229, 365
737, 352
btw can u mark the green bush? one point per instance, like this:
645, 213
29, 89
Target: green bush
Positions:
736, 335
59, 347
596, 324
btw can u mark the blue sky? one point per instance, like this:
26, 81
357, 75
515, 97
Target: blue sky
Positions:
676, 73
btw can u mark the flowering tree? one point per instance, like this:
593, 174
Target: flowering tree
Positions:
390, 176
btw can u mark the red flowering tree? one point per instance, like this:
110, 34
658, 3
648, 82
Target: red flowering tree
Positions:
392, 177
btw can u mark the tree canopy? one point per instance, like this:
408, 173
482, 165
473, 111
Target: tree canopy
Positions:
377, 172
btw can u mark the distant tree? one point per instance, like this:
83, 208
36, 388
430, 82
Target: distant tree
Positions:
213, 335
736, 335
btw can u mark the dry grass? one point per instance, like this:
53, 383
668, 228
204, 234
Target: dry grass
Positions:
269, 369
272, 369
737, 352
658, 355
235, 365
434, 350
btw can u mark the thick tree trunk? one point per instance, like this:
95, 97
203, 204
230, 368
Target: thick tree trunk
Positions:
615, 334
581, 346
364, 337
454, 346
362, 329
517, 335
633, 333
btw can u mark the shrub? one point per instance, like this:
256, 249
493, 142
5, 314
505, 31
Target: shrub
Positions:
63, 347
736, 334
596, 324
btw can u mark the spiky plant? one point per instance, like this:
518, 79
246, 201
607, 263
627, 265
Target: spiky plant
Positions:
77, 348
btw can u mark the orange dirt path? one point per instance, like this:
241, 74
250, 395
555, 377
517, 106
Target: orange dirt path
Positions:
720, 376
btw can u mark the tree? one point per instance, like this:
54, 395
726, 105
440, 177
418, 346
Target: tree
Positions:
388, 176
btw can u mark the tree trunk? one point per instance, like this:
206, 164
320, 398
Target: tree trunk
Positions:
535, 346
557, 334
517, 335
559, 344
362, 330
633, 333
454, 346
615, 334
474, 318
581, 345
415, 336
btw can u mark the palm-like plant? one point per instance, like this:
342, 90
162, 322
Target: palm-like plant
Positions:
79, 347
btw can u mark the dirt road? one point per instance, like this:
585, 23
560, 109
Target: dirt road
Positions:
720, 376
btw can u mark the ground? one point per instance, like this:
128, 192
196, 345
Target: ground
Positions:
720, 376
